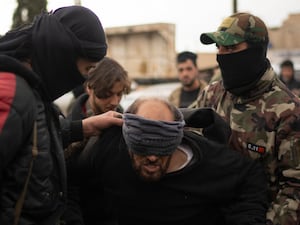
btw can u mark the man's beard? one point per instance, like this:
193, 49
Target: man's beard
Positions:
189, 84
150, 177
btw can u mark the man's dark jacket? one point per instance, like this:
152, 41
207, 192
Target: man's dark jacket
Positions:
218, 187
21, 105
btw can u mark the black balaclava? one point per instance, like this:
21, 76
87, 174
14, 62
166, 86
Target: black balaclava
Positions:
242, 70
54, 42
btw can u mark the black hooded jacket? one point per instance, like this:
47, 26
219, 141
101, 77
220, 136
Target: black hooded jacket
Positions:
218, 187
51, 45
47, 187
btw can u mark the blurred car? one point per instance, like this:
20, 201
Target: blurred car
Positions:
162, 90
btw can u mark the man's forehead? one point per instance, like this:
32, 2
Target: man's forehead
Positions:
155, 110
185, 63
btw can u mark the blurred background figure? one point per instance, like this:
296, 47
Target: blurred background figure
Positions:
188, 75
287, 76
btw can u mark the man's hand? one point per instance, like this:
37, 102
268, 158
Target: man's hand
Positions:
92, 126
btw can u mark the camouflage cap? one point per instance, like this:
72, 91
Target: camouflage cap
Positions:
237, 28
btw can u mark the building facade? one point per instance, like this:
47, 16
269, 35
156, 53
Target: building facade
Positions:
285, 42
146, 51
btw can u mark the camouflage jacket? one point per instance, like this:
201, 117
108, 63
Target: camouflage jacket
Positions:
266, 126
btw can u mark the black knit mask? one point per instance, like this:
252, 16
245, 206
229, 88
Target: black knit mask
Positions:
54, 42
242, 70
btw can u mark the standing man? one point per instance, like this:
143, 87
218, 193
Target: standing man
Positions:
263, 113
39, 63
287, 76
188, 75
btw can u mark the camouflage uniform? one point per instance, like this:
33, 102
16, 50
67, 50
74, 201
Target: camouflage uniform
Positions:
265, 126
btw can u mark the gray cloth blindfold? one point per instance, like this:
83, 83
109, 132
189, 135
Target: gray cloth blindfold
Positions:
152, 137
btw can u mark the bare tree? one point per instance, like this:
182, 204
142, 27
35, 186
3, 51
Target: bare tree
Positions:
26, 10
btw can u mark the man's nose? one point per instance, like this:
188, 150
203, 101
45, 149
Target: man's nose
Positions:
152, 158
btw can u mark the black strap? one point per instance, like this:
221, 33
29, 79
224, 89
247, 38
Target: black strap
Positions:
20, 202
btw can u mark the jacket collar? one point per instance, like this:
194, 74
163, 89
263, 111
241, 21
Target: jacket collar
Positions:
264, 85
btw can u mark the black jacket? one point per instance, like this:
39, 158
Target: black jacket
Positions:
22, 104
219, 187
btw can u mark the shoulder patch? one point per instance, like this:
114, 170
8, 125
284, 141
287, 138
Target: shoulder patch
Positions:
256, 148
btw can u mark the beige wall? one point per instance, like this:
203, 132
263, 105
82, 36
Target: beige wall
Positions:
285, 42
206, 60
146, 51
286, 36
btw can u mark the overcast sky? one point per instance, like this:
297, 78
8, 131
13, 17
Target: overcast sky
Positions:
191, 17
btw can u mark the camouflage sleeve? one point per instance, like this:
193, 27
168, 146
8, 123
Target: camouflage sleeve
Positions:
285, 209
205, 98
200, 100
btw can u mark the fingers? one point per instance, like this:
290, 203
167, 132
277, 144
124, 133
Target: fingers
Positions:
95, 124
114, 114
117, 121
118, 115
